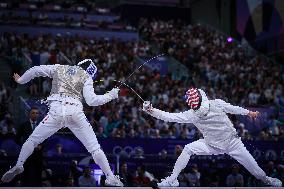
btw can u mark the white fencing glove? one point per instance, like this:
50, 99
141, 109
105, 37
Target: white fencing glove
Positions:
114, 93
147, 107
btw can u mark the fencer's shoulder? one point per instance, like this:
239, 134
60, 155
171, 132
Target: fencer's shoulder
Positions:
217, 102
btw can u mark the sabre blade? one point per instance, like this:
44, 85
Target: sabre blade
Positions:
122, 83
141, 66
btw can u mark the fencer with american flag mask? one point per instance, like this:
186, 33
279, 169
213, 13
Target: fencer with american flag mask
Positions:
220, 136
70, 86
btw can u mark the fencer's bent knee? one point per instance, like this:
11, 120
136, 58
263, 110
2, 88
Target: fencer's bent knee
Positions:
32, 140
30, 144
93, 147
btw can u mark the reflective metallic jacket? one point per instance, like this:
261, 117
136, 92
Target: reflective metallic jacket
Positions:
69, 81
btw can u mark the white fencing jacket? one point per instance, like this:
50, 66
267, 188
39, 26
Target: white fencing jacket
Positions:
87, 90
216, 127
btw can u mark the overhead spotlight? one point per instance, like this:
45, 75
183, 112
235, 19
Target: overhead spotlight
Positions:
230, 39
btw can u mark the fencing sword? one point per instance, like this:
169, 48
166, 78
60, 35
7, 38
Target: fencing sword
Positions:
66, 58
130, 75
122, 83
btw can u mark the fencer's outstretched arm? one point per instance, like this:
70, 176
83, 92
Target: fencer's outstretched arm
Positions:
96, 100
182, 117
36, 71
231, 109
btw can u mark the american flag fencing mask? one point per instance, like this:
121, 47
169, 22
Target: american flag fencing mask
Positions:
193, 98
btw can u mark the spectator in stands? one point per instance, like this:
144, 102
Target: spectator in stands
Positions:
75, 172
270, 168
4, 123
125, 176
263, 135
58, 151
100, 133
280, 172
70, 182
183, 182
140, 180
46, 178
26, 128
3, 92
213, 174
33, 166
253, 97
119, 131
273, 125
242, 132
32, 176
87, 179
8, 129
163, 154
178, 150
193, 176
235, 178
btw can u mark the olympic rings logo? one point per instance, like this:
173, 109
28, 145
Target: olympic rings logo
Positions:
127, 151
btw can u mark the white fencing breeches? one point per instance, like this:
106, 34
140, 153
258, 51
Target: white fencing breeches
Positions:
236, 150
61, 114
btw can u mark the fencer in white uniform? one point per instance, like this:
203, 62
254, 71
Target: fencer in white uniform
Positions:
220, 136
70, 85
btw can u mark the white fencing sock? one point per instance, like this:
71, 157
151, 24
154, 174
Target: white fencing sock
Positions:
101, 160
180, 164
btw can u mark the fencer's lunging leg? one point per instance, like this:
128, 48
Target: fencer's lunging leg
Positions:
239, 152
84, 132
198, 147
26, 150
44, 130
180, 164
88, 137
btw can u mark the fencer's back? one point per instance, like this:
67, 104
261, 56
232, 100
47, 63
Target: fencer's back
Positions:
69, 81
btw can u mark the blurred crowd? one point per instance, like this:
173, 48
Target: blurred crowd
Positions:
73, 6
66, 21
65, 14
218, 64
223, 69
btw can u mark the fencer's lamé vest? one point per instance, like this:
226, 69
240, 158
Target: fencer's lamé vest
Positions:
69, 81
